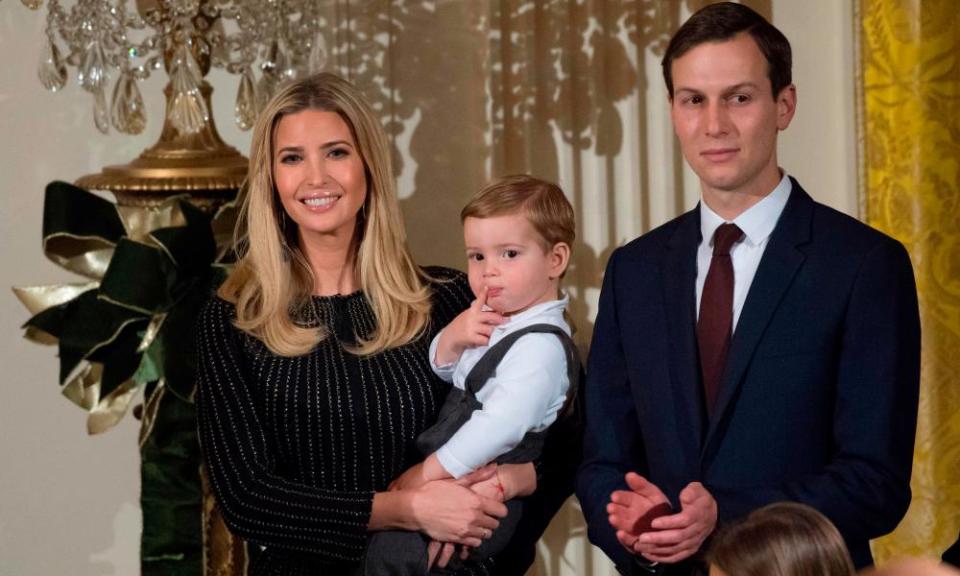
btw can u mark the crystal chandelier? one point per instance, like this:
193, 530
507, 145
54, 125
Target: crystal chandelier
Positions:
120, 43
104, 39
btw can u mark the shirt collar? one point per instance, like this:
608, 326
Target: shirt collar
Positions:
549, 307
757, 222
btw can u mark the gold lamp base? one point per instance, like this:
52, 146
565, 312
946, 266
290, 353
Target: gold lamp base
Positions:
199, 164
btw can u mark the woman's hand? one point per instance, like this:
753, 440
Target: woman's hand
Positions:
484, 482
448, 512
440, 553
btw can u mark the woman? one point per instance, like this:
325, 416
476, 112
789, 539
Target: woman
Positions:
314, 379
780, 539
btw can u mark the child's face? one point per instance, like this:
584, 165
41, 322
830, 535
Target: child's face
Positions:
506, 257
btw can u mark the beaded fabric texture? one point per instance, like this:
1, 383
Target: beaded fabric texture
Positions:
296, 447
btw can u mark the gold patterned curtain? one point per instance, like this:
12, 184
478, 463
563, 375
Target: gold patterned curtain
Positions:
910, 189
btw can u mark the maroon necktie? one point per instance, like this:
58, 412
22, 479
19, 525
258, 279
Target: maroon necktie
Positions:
716, 312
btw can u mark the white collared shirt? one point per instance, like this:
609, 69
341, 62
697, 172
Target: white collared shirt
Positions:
526, 393
757, 223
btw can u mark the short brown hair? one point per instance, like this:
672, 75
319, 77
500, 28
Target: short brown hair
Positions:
781, 539
543, 203
723, 21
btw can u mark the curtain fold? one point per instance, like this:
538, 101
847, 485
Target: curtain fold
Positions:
910, 189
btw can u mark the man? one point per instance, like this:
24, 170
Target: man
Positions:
761, 347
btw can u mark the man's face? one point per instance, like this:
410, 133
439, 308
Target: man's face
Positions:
726, 118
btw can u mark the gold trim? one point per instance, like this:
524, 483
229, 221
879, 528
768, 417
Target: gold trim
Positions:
858, 108
201, 164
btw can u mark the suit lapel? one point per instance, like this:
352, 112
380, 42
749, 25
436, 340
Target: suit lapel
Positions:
679, 280
776, 272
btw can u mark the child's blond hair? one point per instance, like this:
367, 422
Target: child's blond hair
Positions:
542, 203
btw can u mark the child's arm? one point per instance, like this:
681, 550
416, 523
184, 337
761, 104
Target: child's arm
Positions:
510, 481
471, 328
528, 390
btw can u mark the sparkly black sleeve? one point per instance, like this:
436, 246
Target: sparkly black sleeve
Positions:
257, 503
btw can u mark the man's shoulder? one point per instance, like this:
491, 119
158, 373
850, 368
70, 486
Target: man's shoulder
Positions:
845, 234
654, 243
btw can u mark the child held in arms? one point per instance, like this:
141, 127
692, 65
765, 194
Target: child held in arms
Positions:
511, 360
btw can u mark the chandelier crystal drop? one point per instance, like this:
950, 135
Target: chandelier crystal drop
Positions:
263, 42
127, 112
101, 117
245, 111
51, 70
188, 112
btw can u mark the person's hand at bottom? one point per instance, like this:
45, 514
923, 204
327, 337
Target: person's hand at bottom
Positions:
679, 536
631, 512
448, 512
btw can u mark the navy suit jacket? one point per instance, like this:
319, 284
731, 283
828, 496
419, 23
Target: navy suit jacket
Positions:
818, 402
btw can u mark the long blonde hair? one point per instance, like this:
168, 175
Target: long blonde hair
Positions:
273, 281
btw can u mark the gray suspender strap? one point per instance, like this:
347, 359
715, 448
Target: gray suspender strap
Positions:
486, 367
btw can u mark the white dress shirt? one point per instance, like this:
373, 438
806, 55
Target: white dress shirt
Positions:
527, 391
757, 223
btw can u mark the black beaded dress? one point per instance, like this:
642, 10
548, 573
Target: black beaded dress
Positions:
296, 447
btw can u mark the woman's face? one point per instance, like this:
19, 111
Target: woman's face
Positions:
319, 175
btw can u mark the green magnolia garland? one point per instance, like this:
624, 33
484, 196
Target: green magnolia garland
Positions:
132, 324
130, 327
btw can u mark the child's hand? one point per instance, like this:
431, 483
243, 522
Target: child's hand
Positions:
471, 328
517, 479
484, 482
489, 488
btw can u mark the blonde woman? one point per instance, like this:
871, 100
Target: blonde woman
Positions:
314, 377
